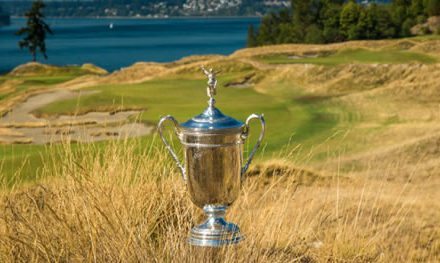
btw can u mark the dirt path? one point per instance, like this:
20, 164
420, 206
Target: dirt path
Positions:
21, 126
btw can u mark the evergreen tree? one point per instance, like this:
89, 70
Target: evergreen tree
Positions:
417, 8
35, 31
314, 35
251, 39
301, 18
301, 12
407, 25
433, 7
385, 27
268, 30
400, 10
349, 19
330, 15
287, 34
367, 25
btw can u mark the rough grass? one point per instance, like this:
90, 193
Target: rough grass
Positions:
352, 56
349, 172
106, 205
356, 110
425, 45
38, 69
32, 78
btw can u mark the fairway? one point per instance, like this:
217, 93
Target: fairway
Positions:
185, 97
288, 119
313, 113
348, 56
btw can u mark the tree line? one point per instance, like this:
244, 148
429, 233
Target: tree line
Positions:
329, 21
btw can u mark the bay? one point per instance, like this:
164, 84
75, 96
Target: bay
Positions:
116, 43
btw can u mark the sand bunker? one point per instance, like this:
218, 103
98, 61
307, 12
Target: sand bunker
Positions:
21, 126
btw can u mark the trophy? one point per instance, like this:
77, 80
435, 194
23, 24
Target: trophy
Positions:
213, 169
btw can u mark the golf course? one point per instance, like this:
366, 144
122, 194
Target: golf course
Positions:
353, 130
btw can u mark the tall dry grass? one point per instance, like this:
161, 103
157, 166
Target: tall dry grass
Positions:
108, 204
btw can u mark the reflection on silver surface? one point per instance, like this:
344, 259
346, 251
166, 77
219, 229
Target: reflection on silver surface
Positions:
213, 174
213, 168
167, 145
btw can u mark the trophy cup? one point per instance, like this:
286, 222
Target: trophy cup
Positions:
213, 169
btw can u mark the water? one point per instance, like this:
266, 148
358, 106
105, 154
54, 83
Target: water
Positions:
79, 40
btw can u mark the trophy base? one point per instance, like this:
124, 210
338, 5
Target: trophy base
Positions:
215, 231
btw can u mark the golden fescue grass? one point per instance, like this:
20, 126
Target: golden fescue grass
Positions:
421, 45
408, 82
136, 73
106, 205
35, 69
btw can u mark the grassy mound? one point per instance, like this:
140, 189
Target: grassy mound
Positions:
33, 78
38, 69
359, 90
351, 56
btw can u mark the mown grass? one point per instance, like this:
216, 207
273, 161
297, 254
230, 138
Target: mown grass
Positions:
289, 118
358, 56
186, 97
293, 117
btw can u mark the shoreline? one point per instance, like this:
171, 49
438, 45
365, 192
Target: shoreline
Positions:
142, 17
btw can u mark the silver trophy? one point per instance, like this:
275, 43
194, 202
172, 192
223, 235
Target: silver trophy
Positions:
213, 169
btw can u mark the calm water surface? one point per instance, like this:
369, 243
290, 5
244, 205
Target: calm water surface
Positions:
78, 41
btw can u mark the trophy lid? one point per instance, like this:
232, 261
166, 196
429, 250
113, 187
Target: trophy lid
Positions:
212, 119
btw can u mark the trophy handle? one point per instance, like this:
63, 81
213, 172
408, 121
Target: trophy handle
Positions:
168, 146
257, 145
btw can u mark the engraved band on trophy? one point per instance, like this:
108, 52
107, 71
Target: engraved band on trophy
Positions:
213, 167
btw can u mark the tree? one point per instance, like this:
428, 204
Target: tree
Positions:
287, 34
330, 14
314, 35
407, 25
35, 31
367, 25
301, 12
349, 19
328, 21
385, 27
251, 39
301, 17
417, 8
433, 7
268, 30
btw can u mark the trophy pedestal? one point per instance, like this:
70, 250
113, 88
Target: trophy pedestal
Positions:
215, 231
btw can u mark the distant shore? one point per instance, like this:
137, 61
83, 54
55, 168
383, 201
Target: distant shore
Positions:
144, 17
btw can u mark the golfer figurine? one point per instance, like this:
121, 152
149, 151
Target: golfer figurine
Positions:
212, 84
